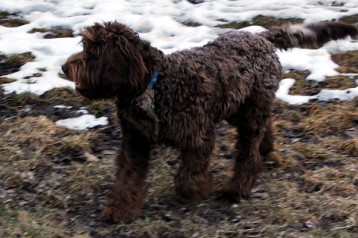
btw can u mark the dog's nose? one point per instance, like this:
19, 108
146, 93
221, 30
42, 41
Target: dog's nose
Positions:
64, 68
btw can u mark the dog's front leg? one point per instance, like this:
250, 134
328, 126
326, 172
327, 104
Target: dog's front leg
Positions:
192, 180
126, 196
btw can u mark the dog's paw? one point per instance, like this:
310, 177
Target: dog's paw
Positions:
116, 215
228, 195
231, 192
198, 188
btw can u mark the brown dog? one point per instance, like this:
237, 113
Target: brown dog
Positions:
233, 78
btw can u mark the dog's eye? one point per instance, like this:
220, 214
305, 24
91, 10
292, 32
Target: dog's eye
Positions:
84, 43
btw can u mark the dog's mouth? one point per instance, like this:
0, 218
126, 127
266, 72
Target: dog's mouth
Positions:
79, 86
86, 92
92, 94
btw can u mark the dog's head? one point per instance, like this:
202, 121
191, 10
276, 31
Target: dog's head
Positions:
110, 64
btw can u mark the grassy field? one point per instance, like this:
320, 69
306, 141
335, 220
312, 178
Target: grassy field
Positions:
54, 181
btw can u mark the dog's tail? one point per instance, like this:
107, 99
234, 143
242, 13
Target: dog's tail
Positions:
312, 35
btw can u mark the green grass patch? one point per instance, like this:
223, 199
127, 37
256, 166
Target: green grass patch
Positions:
7, 216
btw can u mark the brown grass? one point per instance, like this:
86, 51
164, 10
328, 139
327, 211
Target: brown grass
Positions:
331, 119
352, 19
4, 80
264, 21
12, 63
347, 61
53, 33
54, 181
303, 86
11, 20
51, 168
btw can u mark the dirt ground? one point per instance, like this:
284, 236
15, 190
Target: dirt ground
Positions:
54, 181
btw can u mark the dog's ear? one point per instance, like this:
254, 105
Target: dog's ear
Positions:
127, 52
93, 38
118, 51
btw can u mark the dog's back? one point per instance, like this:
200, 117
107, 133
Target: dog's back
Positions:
207, 84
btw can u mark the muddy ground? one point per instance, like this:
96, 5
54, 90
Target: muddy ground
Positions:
54, 181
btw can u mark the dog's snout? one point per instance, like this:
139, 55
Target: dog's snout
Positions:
65, 68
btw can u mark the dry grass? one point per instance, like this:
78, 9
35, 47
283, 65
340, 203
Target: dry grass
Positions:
330, 119
303, 86
11, 20
347, 61
264, 21
54, 181
4, 80
352, 19
338, 82
53, 33
51, 175
12, 63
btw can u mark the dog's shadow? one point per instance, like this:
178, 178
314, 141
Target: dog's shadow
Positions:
175, 211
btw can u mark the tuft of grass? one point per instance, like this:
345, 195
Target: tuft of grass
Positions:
7, 216
12, 63
323, 180
11, 20
19, 59
260, 20
311, 151
297, 74
33, 138
34, 75
330, 119
65, 96
102, 107
303, 86
352, 19
23, 99
27, 224
53, 33
338, 82
350, 146
347, 61
347, 146
191, 23
4, 80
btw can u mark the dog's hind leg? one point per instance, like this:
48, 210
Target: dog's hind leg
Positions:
253, 122
125, 198
192, 180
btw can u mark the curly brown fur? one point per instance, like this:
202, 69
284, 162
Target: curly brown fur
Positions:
233, 78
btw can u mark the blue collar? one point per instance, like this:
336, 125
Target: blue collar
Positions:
154, 79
